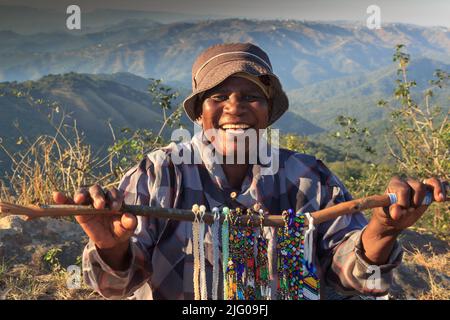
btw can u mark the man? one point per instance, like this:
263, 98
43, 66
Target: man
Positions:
235, 91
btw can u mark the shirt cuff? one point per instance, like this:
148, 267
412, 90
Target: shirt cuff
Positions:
94, 257
394, 260
375, 279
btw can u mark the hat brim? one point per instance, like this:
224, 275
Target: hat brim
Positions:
221, 72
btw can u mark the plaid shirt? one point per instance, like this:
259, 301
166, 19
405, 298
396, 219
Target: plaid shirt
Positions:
161, 265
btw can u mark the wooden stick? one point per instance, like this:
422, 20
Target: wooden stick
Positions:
320, 216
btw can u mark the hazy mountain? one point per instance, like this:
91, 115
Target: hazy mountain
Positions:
358, 95
24, 20
302, 52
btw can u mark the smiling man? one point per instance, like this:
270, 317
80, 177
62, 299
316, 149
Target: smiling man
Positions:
235, 93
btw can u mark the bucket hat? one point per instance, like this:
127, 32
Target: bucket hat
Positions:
218, 62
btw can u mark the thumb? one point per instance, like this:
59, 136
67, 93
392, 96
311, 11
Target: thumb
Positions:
61, 198
129, 221
397, 212
123, 227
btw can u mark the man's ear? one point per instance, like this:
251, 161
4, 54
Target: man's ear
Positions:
198, 113
199, 121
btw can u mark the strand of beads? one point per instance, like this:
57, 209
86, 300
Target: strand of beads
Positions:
282, 289
239, 254
290, 249
262, 261
203, 287
249, 258
225, 251
215, 240
232, 258
296, 273
241, 264
311, 283
196, 251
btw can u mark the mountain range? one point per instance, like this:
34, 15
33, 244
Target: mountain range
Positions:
302, 53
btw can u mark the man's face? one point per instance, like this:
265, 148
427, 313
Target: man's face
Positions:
232, 110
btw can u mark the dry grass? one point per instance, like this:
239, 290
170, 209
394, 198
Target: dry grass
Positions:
21, 282
435, 271
59, 162
437, 266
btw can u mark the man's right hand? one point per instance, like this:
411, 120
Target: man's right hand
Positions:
110, 233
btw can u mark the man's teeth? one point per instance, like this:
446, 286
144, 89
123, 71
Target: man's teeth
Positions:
235, 126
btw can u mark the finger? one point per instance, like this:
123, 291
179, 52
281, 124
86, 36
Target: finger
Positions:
397, 212
82, 197
437, 187
98, 196
85, 218
129, 221
418, 191
61, 198
124, 226
114, 198
402, 190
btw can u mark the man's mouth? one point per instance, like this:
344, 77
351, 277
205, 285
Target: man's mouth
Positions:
235, 128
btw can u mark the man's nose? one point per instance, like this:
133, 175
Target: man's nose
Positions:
235, 105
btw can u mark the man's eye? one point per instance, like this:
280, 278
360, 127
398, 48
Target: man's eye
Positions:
252, 97
219, 97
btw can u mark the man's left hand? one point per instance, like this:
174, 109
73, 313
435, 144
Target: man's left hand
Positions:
386, 224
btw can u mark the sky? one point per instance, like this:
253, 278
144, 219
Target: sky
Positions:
420, 12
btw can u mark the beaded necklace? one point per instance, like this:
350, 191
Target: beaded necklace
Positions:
245, 256
215, 239
263, 290
247, 276
225, 251
196, 251
203, 287
297, 279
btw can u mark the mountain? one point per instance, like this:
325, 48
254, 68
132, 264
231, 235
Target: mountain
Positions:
90, 101
24, 19
357, 95
302, 53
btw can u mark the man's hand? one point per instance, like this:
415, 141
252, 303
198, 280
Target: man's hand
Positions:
110, 233
387, 223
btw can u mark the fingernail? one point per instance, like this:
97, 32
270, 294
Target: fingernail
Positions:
115, 205
441, 196
98, 204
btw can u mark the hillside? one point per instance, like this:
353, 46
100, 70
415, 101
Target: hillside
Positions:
89, 101
357, 95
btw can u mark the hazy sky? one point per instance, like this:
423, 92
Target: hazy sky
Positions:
421, 12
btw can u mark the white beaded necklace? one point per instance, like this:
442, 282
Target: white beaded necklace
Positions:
215, 239
196, 252
203, 287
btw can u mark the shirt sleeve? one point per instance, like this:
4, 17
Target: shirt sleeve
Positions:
137, 186
340, 250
